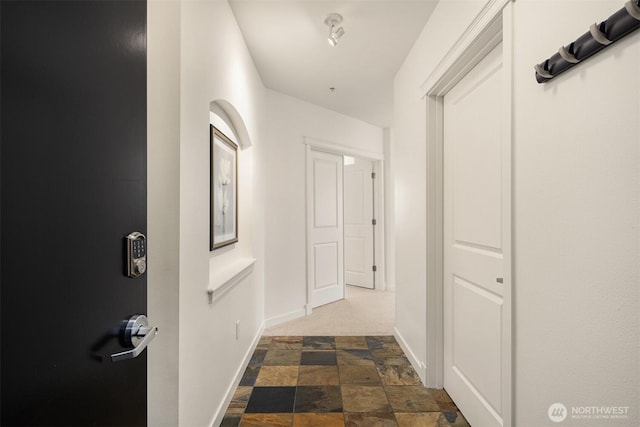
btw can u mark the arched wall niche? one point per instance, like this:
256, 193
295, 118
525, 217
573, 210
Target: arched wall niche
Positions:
226, 118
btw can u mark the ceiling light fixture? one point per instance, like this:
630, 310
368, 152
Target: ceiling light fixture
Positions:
332, 20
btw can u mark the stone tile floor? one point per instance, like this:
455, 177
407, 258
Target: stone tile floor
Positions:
336, 381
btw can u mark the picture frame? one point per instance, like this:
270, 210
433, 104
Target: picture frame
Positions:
223, 190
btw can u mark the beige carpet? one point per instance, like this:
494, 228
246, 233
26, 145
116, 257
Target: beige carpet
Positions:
362, 312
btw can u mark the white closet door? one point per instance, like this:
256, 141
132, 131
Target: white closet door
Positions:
325, 252
358, 227
474, 238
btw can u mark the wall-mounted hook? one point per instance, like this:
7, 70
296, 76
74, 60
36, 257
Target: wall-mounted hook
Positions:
620, 24
632, 9
598, 35
542, 72
567, 56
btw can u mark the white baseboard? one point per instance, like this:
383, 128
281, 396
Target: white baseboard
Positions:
285, 318
219, 414
417, 364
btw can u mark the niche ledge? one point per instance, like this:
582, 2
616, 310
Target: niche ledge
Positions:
223, 279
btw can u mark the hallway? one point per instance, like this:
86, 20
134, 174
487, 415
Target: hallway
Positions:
362, 312
336, 381
506, 201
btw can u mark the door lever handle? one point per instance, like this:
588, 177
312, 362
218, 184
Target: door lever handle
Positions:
136, 333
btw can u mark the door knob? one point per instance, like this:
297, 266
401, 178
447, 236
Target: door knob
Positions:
135, 333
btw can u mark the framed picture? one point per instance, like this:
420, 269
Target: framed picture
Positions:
224, 190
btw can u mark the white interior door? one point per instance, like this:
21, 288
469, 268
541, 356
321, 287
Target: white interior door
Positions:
476, 233
325, 251
358, 227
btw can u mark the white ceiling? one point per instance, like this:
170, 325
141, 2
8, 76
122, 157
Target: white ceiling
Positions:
288, 42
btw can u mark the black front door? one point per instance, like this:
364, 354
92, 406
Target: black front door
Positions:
72, 186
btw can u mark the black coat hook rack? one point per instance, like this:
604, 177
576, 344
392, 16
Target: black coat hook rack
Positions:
623, 22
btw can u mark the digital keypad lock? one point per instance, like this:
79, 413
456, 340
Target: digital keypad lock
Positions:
136, 254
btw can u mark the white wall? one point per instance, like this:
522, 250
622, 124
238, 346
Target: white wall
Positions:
163, 198
576, 208
448, 21
197, 55
215, 65
577, 218
289, 121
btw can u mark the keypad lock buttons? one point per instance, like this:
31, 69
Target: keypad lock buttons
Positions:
136, 254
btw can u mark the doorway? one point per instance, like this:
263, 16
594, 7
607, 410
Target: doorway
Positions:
344, 220
469, 287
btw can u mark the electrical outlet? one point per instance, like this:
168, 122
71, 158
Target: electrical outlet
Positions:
237, 329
